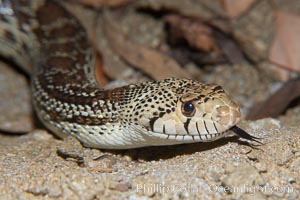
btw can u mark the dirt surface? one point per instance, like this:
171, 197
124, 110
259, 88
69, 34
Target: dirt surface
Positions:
37, 165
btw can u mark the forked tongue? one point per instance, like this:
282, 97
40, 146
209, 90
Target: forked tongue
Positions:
243, 134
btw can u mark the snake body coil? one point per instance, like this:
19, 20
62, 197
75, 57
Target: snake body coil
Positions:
42, 37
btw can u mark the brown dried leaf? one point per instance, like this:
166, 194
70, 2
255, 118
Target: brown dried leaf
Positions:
229, 48
98, 62
286, 45
235, 8
101, 78
202, 37
197, 34
105, 3
204, 9
278, 102
150, 61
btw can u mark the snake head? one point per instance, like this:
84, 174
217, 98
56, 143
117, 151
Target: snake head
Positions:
189, 111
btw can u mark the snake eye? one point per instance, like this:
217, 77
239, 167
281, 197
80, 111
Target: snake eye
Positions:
188, 109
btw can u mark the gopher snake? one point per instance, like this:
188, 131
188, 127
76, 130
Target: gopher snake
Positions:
42, 35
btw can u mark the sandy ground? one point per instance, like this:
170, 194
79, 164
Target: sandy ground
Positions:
38, 166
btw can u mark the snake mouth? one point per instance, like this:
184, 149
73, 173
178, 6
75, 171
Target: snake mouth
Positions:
203, 130
192, 138
188, 138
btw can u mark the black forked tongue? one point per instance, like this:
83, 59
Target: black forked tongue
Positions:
243, 134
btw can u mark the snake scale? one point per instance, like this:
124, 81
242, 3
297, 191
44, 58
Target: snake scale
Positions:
42, 37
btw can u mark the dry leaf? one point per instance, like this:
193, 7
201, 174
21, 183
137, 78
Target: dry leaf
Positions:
277, 103
200, 36
99, 71
235, 8
285, 50
104, 3
155, 64
229, 48
100, 76
197, 34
